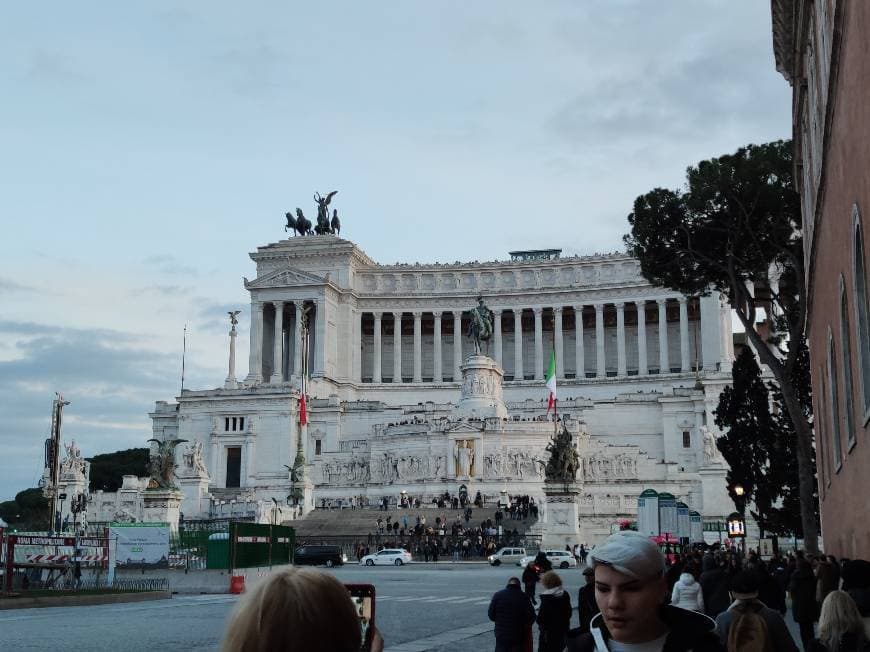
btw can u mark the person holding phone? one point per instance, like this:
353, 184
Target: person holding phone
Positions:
302, 609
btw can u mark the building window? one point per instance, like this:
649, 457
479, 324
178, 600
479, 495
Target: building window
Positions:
846, 362
234, 424
687, 439
317, 447
834, 404
862, 312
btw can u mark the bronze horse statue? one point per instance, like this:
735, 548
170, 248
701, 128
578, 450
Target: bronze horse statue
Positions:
303, 226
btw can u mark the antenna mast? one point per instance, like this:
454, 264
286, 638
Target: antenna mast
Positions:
183, 356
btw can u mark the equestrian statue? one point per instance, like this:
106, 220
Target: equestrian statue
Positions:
481, 327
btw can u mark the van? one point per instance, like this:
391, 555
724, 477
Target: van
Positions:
316, 555
507, 556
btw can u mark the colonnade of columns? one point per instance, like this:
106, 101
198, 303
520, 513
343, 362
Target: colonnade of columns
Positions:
556, 315
279, 342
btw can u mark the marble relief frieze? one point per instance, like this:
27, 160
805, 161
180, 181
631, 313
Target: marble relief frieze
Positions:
495, 280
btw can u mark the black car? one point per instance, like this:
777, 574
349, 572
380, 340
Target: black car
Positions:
316, 555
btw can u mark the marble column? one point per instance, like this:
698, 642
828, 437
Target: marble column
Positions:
376, 360
249, 465
685, 361
600, 368
397, 347
418, 347
297, 338
557, 336
320, 347
438, 375
539, 344
519, 374
278, 349
230, 382
579, 353
621, 366
664, 362
642, 366
496, 336
457, 346
255, 356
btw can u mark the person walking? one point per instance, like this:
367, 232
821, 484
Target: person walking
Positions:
802, 587
554, 616
513, 616
530, 578
748, 624
841, 628
587, 608
687, 593
714, 585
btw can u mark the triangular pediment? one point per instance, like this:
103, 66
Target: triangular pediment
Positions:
464, 426
287, 277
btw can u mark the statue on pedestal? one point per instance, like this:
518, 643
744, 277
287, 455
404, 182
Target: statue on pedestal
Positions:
564, 459
481, 327
161, 465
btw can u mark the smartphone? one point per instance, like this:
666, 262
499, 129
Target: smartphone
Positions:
363, 598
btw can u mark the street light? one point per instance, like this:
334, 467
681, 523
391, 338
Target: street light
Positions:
740, 502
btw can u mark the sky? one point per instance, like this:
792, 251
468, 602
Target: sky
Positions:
147, 148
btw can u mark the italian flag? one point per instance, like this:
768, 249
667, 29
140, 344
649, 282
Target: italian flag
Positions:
303, 410
551, 383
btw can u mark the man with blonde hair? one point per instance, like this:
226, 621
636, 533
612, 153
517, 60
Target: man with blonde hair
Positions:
630, 589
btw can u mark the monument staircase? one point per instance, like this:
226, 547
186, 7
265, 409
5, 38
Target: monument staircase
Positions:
326, 524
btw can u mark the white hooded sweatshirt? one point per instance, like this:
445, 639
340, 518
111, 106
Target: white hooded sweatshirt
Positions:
687, 594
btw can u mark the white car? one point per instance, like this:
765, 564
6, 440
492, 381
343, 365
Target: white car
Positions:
559, 559
507, 556
394, 556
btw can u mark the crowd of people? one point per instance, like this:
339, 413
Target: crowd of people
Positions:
632, 599
429, 539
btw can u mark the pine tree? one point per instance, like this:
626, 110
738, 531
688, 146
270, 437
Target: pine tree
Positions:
784, 519
750, 439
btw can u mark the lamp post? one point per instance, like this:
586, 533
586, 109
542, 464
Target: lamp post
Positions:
741, 507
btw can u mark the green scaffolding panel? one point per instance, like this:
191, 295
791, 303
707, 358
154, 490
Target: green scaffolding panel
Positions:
254, 544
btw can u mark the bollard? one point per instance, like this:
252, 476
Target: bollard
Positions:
237, 584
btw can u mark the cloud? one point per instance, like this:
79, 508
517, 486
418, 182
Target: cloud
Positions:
168, 264
110, 378
7, 285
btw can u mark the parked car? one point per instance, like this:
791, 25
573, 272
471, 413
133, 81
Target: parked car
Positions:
559, 559
395, 556
507, 556
316, 555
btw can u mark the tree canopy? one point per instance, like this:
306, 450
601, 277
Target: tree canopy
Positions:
108, 469
735, 229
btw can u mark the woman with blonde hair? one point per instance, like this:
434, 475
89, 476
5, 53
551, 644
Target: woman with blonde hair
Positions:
296, 609
841, 628
554, 617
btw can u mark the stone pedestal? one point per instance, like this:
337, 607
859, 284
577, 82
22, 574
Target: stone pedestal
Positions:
481, 395
714, 491
195, 502
561, 517
162, 506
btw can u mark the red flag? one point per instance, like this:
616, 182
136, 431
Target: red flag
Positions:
303, 412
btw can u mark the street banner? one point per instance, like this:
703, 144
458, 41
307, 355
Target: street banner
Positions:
684, 527
696, 528
648, 513
668, 520
141, 545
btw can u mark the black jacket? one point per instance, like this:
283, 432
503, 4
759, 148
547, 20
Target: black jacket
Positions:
848, 643
587, 607
554, 621
688, 631
714, 586
802, 587
513, 613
